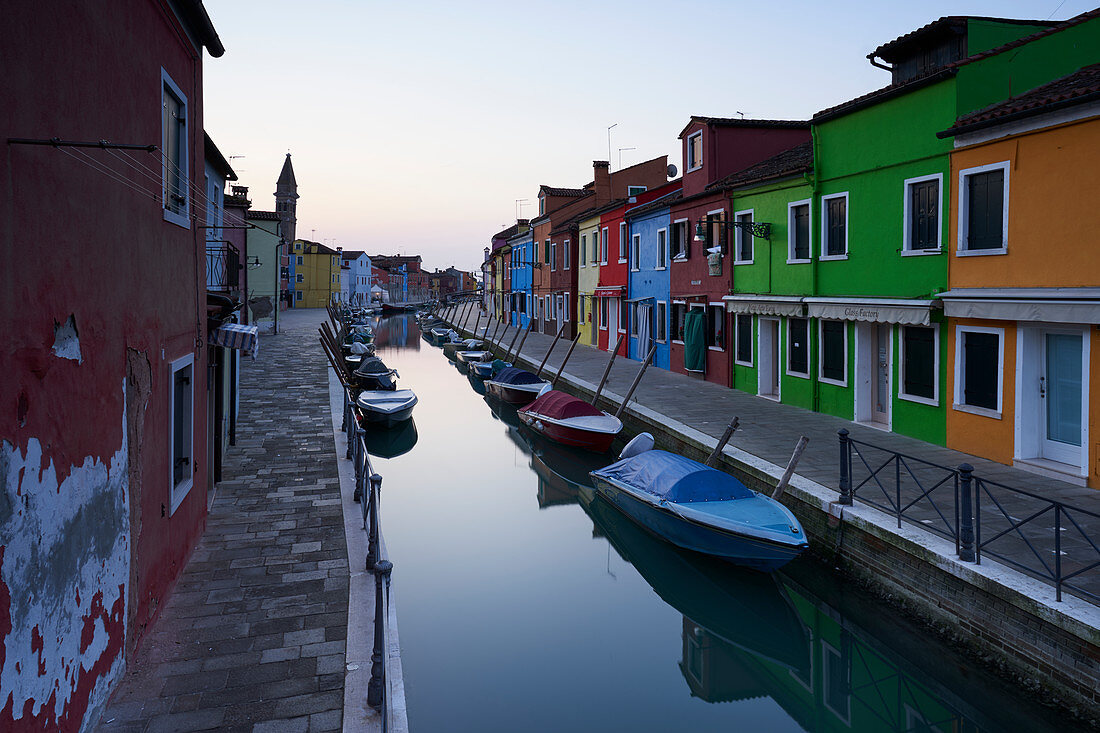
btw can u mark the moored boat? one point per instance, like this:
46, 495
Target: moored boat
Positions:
516, 386
373, 374
571, 421
486, 369
472, 357
386, 407
452, 347
702, 509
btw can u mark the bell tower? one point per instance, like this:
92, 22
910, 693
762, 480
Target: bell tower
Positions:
286, 199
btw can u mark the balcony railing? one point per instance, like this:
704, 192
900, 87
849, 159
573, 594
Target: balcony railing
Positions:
223, 267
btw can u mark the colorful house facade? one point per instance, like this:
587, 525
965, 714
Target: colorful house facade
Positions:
521, 267
648, 277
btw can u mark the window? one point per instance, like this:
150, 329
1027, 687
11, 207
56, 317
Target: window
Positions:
546, 254
298, 259
979, 354
634, 319
298, 295
983, 209
622, 242
744, 339
636, 251
300, 278
542, 206
743, 239
837, 681
680, 239
834, 353
920, 359
834, 226
603, 313
565, 308
714, 231
174, 154
584, 248
716, 326
183, 429
662, 321
798, 347
624, 314
603, 247
679, 312
798, 231
695, 151
635, 190
565, 255
662, 248
922, 223
552, 248
580, 307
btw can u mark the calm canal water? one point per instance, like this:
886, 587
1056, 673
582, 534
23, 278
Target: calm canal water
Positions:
523, 605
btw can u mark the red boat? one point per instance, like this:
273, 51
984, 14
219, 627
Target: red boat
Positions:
569, 420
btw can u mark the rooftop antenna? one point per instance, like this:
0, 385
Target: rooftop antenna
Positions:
742, 114
520, 203
621, 156
609, 142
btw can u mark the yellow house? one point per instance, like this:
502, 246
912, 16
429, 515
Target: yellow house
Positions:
316, 271
588, 278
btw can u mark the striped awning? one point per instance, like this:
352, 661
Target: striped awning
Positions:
237, 336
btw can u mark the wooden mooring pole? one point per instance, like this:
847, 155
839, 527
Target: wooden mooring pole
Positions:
552, 343
786, 479
607, 371
566, 359
522, 340
493, 340
637, 380
513, 343
730, 429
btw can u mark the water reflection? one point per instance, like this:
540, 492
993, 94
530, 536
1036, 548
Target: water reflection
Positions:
531, 617
393, 441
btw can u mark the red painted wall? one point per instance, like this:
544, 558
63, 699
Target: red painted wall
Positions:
77, 243
727, 150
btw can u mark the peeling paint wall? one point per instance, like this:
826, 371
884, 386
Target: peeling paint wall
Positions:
64, 573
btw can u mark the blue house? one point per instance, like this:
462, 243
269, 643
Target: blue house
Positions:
648, 279
520, 262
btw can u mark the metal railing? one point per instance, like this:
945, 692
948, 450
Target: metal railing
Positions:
1045, 538
223, 266
368, 489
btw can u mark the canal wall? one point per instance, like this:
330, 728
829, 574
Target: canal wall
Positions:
1004, 618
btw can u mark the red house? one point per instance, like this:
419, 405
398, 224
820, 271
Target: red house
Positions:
104, 432
700, 267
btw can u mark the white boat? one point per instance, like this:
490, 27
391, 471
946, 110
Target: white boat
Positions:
386, 407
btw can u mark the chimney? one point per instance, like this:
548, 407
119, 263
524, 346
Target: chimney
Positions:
601, 172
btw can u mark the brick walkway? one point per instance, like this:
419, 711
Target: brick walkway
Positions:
253, 637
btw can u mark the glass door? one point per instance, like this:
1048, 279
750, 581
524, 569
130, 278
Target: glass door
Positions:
880, 393
1060, 391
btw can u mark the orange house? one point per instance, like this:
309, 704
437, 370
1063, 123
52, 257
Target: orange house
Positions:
1023, 304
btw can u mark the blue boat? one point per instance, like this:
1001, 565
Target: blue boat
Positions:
516, 386
702, 509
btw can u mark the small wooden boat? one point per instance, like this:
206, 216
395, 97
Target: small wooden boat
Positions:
373, 374
570, 420
386, 407
472, 357
516, 386
702, 509
486, 369
452, 347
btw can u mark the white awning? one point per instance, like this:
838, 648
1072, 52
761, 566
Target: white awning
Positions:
1052, 305
875, 310
765, 305
236, 336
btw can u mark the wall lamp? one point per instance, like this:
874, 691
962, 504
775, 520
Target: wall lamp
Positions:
759, 229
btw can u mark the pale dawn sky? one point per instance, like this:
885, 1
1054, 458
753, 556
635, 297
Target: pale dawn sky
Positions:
415, 126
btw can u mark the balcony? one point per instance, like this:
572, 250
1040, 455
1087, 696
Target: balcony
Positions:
223, 267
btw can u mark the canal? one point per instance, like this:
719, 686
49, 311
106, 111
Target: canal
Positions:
524, 605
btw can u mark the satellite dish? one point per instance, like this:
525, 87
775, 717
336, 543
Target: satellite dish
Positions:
672, 171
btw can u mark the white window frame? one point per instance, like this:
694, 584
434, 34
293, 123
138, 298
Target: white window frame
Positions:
565, 308
603, 246
183, 217
662, 249
725, 320
621, 325
907, 205
603, 313
635, 252
662, 308
964, 211
683, 256
635, 190
787, 348
960, 368
676, 303
565, 255
821, 353
299, 277
623, 239
935, 401
633, 320
737, 339
595, 253
584, 245
177, 493
826, 650
697, 137
553, 257
738, 233
823, 241
791, 231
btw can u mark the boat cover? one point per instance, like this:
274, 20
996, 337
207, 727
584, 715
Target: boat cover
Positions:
512, 375
560, 406
675, 478
372, 366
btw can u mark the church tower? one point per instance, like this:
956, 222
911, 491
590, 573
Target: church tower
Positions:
286, 199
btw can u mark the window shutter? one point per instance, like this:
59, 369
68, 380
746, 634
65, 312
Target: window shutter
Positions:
980, 369
986, 198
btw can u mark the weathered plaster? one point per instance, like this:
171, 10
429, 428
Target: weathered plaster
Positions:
66, 340
64, 572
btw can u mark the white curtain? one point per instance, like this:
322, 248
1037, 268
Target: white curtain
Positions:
645, 337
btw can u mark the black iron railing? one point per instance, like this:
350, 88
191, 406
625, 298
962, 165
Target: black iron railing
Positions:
1046, 538
368, 489
223, 266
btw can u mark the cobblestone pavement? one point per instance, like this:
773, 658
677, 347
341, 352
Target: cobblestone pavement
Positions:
770, 430
253, 637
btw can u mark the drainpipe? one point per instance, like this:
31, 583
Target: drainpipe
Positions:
812, 179
278, 272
